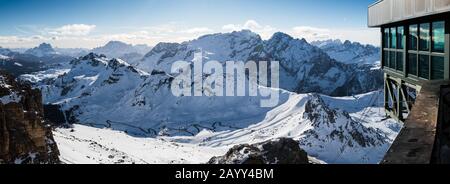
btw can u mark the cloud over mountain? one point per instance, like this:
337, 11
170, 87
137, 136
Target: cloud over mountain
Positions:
73, 30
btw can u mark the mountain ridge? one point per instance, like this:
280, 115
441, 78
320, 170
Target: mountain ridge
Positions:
296, 56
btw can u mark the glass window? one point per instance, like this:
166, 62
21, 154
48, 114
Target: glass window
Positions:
392, 59
400, 61
412, 64
393, 38
428, 38
386, 58
438, 42
424, 42
437, 68
424, 66
400, 34
386, 38
413, 37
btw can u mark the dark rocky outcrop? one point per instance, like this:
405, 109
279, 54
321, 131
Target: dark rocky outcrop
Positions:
281, 151
53, 115
25, 137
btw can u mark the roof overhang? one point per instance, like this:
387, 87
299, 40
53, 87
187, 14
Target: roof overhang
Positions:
390, 11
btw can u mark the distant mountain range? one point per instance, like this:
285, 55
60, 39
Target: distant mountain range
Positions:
350, 52
128, 52
42, 50
44, 56
32, 60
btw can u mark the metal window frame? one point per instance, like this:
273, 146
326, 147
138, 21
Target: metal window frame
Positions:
406, 52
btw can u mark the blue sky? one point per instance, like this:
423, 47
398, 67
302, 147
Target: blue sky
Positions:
90, 23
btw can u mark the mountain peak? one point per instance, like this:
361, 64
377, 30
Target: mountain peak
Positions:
245, 32
116, 43
44, 49
347, 42
281, 35
286, 37
45, 46
92, 56
116, 49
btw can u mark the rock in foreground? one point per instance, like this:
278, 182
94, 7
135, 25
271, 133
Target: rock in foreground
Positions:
24, 137
281, 151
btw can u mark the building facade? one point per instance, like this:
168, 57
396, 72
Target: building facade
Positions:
415, 48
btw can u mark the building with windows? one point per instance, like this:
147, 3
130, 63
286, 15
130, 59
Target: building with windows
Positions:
415, 58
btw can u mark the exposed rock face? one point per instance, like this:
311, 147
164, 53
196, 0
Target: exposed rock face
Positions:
24, 136
42, 50
281, 151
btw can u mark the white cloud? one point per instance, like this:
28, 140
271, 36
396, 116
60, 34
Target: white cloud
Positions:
197, 30
252, 24
80, 35
231, 27
265, 31
310, 33
73, 30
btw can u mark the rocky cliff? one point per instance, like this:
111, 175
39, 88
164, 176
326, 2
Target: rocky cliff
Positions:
24, 136
281, 151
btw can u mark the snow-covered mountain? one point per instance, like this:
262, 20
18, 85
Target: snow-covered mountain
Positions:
304, 68
3, 57
350, 52
18, 67
236, 46
117, 49
142, 48
110, 93
42, 50
4, 51
33, 60
121, 110
15, 65
362, 139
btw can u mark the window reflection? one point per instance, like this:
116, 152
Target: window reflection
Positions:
438, 36
393, 38
413, 37
386, 38
392, 62
400, 33
424, 43
400, 61
412, 65
424, 46
424, 66
386, 58
437, 68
